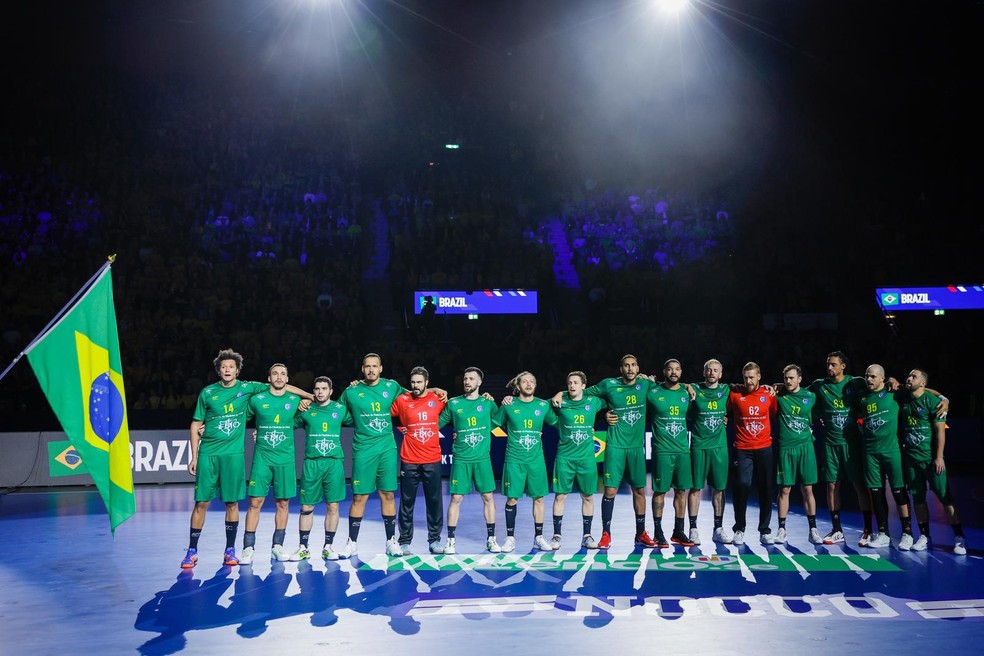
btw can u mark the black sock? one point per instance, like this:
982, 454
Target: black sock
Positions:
537, 529
249, 539
355, 523
867, 521
835, 519
389, 525
924, 529
678, 524
640, 524
278, 536
558, 520
693, 521
305, 536
329, 537
231, 529
586, 524
490, 530
906, 525
812, 519
957, 530
607, 510
718, 521
193, 536
451, 531
782, 522
510, 520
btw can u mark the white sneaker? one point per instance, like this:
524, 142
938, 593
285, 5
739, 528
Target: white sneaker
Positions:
780, 536
723, 536
767, 538
509, 545
492, 546
738, 538
302, 553
450, 547
905, 542
589, 542
541, 543
351, 549
695, 537
814, 537
246, 558
328, 553
434, 547
921, 543
879, 540
959, 546
405, 550
834, 537
393, 548
279, 554
555, 542
865, 539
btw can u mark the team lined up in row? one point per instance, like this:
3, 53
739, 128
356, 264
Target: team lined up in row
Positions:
689, 450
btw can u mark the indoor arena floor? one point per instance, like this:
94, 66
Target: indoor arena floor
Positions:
68, 587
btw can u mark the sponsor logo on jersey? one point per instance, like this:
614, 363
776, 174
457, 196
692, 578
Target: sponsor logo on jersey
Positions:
762, 399
430, 404
478, 408
537, 413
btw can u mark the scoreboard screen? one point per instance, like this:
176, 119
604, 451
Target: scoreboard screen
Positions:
952, 297
485, 301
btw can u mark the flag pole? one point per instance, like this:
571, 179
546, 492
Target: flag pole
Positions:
61, 313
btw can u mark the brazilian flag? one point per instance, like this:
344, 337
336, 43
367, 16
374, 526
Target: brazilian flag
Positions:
77, 362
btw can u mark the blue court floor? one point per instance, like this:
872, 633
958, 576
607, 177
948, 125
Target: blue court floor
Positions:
69, 588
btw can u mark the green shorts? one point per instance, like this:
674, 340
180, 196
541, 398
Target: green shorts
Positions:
222, 475
879, 465
797, 465
629, 464
528, 477
672, 470
920, 474
842, 462
580, 473
263, 476
322, 479
710, 467
463, 474
374, 471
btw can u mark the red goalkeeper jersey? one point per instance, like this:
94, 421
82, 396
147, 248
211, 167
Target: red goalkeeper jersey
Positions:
751, 412
421, 437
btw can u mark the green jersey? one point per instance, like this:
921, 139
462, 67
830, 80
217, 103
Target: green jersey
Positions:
628, 402
918, 417
880, 413
274, 426
369, 406
575, 425
472, 423
523, 422
322, 426
707, 414
795, 414
837, 403
223, 411
670, 408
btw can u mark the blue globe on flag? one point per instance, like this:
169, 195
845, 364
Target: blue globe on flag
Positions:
105, 408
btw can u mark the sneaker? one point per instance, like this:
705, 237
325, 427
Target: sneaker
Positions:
834, 537
605, 541
555, 542
435, 547
229, 558
865, 539
879, 540
190, 559
589, 542
694, 537
722, 536
302, 553
921, 543
351, 549
905, 542
328, 553
679, 537
780, 536
247, 557
814, 537
960, 546
279, 554
450, 547
738, 538
767, 538
405, 550
643, 540
509, 545
492, 546
541, 543
393, 548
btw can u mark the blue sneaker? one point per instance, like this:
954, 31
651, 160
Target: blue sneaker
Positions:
190, 559
230, 559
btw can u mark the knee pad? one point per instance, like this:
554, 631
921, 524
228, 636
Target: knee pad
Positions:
901, 496
307, 512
